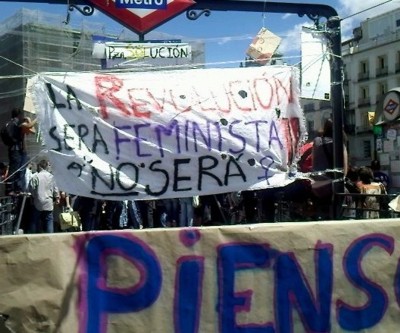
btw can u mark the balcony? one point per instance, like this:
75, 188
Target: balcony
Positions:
364, 102
325, 105
381, 71
397, 67
363, 129
309, 107
363, 76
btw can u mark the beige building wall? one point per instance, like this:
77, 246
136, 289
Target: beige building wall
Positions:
372, 67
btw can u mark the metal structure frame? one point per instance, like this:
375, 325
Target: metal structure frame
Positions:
314, 12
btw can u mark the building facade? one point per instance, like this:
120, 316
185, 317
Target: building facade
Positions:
371, 67
371, 63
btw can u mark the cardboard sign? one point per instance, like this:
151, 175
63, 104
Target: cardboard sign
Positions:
284, 277
138, 51
263, 46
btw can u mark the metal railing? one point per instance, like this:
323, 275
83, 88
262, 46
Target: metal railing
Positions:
7, 215
351, 206
354, 203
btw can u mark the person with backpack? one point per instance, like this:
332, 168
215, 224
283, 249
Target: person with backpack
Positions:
322, 150
13, 136
305, 162
323, 176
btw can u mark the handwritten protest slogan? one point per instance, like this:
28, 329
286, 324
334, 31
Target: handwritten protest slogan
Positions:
170, 134
292, 277
133, 51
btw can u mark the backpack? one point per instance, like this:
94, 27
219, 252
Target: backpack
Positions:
9, 133
305, 162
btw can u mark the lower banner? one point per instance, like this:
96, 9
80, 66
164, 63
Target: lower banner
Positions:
283, 277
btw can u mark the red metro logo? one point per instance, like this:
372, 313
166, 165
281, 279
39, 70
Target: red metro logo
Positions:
141, 15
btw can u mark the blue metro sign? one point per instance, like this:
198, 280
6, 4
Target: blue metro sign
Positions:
143, 4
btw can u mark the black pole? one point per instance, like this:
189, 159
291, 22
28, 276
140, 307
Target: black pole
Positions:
334, 35
313, 12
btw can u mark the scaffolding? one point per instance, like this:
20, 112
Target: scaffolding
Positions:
32, 41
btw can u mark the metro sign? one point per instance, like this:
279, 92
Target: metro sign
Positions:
141, 15
147, 4
391, 104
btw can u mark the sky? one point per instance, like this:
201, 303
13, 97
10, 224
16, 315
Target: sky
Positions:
227, 35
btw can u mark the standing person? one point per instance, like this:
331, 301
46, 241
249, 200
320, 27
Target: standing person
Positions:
13, 135
371, 204
170, 216
351, 187
89, 210
322, 150
186, 212
62, 207
28, 175
27, 213
44, 193
379, 175
323, 162
3, 178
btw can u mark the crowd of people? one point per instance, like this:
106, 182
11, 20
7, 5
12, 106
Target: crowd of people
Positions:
98, 214
368, 188
43, 209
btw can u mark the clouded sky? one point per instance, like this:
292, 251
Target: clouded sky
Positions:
227, 35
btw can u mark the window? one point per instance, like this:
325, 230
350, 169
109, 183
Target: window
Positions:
398, 62
310, 126
364, 120
381, 62
381, 65
381, 90
350, 117
367, 149
363, 71
364, 92
363, 67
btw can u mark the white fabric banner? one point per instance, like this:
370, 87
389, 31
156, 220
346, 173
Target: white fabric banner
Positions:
170, 134
316, 69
